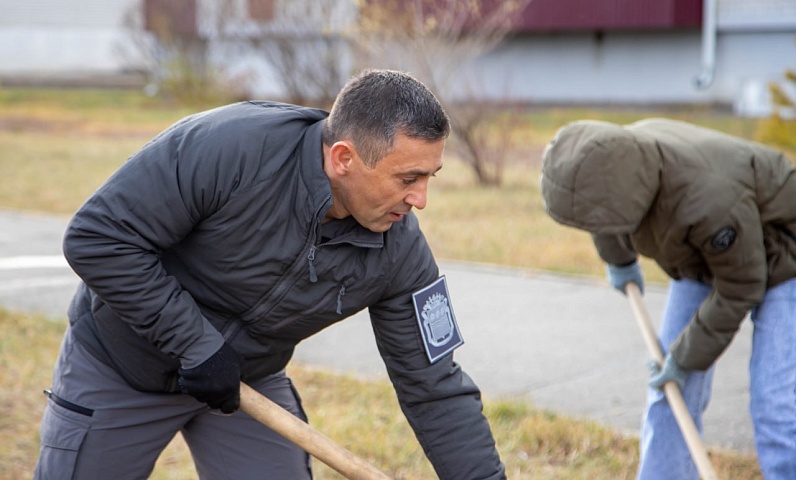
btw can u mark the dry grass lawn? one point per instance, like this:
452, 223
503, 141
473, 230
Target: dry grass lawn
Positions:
361, 415
58, 147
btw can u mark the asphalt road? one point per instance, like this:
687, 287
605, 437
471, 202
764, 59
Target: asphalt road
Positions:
566, 344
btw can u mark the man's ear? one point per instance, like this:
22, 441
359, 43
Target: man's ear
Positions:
341, 155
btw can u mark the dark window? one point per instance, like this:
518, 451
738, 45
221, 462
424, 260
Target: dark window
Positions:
174, 17
261, 10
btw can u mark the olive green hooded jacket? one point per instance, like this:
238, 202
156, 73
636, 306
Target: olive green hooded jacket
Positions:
704, 205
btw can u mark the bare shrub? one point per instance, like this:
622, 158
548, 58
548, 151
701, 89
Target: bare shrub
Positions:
436, 40
780, 128
164, 40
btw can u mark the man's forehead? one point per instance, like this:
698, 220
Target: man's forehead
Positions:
417, 153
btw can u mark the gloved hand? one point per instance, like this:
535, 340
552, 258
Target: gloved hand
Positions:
215, 382
618, 276
671, 372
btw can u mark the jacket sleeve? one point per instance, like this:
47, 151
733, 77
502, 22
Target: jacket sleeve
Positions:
732, 245
614, 249
441, 403
152, 202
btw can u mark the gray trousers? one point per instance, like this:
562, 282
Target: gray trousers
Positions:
107, 430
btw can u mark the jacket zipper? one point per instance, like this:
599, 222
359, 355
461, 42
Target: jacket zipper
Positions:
294, 271
231, 329
317, 307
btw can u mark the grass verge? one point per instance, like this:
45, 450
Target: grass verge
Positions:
359, 414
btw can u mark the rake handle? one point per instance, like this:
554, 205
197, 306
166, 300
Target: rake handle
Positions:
670, 389
312, 441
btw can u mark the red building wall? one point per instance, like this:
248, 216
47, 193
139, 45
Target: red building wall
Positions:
574, 15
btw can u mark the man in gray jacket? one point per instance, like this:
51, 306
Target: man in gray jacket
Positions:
224, 242
718, 215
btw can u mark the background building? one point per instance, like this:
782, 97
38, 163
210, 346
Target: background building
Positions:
721, 52
64, 41
623, 52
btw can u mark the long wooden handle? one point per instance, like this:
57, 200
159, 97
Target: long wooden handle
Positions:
313, 442
670, 389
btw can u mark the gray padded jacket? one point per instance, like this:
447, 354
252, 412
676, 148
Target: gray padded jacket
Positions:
212, 232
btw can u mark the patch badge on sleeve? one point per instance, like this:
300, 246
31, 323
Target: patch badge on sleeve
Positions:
434, 314
723, 239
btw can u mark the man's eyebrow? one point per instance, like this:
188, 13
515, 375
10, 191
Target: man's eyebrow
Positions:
421, 173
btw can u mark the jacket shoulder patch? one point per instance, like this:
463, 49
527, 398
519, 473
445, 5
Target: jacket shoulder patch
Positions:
435, 317
723, 239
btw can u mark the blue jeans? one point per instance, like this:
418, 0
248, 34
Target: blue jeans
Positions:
664, 453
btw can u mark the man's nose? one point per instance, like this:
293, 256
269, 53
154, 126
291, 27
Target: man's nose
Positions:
418, 197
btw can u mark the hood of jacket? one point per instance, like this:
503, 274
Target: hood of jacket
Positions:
600, 177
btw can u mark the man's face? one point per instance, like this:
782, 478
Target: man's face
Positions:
379, 196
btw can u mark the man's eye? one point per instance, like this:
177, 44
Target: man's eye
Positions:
409, 181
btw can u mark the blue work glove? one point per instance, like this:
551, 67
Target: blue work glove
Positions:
671, 372
618, 276
215, 382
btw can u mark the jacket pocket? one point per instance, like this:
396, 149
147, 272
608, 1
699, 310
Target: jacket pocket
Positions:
62, 434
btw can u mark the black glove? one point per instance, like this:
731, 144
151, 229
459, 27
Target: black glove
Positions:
215, 382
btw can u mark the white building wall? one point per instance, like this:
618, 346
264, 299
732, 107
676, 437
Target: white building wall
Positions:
58, 36
636, 67
578, 68
756, 14
755, 45
747, 62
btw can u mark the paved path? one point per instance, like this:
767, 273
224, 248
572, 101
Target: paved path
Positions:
565, 344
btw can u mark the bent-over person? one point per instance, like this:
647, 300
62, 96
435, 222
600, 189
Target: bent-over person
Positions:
718, 214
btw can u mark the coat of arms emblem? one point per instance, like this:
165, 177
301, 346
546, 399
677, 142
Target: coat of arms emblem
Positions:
437, 320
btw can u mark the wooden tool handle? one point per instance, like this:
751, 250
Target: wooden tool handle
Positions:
313, 442
671, 390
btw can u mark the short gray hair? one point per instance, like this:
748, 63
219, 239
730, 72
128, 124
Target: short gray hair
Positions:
376, 105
